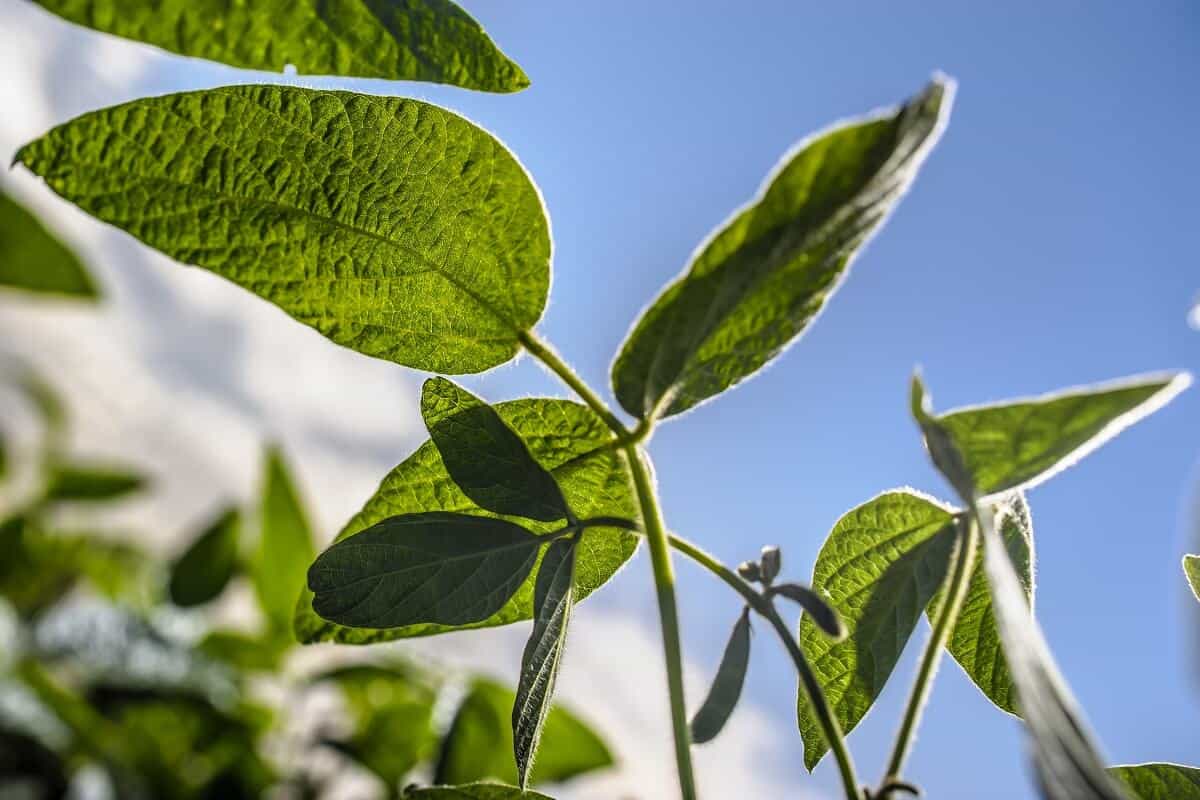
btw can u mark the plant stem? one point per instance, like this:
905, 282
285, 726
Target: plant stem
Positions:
664, 582
543, 352
812, 687
956, 592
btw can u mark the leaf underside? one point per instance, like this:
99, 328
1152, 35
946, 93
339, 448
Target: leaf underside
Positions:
392, 226
1159, 781
564, 437
879, 568
32, 259
726, 686
758, 282
420, 40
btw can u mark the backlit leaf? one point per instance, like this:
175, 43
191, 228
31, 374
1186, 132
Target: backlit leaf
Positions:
420, 40
32, 259
1191, 569
1160, 781
285, 545
390, 225
879, 568
203, 570
567, 439
726, 686
757, 283
488, 461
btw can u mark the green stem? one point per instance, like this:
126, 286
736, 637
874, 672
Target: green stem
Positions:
956, 592
664, 582
543, 352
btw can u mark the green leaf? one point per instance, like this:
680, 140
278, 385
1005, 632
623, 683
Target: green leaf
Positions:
419, 40
201, 573
567, 439
1066, 758
553, 600
479, 744
474, 791
821, 613
79, 483
879, 568
1020, 443
390, 225
758, 282
1160, 781
285, 546
243, 651
436, 567
488, 461
32, 259
727, 686
975, 641
1191, 569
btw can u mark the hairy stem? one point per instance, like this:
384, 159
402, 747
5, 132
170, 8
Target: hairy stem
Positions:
544, 353
956, 592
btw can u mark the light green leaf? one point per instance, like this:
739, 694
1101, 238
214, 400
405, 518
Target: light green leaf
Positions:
285, 545
758, 282
553, 600
1066, 758
487, 460
80, 483
479, 744
201, 573
244, 651
419, 40
567, 439
974, 641
32, 259
392, 226
1020, 443
1191, 569
727, 686
436, 567
1160, 781
474, 791
879, 568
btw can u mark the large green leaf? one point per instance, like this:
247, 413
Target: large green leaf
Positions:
91, 483
1020, 443
974, 641
202, 571
487, 460
479, 744
421, 40
285, 545
727, 686
758, 282
564, 437
31, 258
474, 791
392, 226
435, 567
1160, 781
553, 600
879, 568
1191, 570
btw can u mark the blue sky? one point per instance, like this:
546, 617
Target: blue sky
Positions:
1047, 243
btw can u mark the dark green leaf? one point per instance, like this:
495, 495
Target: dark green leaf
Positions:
553, 600
201, 573
757, 283
390, 225
974, 641
474, 791
436, 567
567, 439
727, 686
1068, 764
1191, 569
1160, 781
31, 258
285, 546
73, 483
879, 568
419, 40
1020, 443
488, 461
821, 613
479, 744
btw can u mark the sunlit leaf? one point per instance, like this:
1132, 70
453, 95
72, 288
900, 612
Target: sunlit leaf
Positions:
1191, 570
1160, 781
201, 573
390, 225
726, 686
285, 545
32, 259
420, 40
880, 566
758, 282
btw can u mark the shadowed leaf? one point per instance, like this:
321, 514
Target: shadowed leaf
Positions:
206, 567
32, 259
79, 483
474, 791
821, 613
726, 686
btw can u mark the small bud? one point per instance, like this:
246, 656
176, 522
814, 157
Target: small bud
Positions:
750, 571
771, 561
